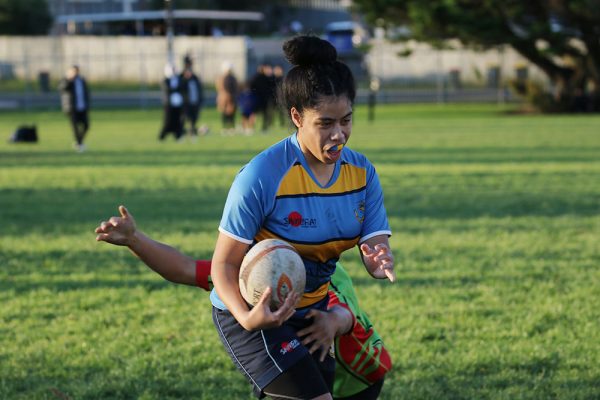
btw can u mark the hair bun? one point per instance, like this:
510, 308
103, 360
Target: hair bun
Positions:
309, 50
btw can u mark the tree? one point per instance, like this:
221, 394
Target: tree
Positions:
561, 37
24, 17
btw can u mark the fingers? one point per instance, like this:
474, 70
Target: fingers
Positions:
309, 329
385, 257
324, 352
265, 299
104, 227
366, 250
124, 212
102, 237
380, 255
288, 309
389, 272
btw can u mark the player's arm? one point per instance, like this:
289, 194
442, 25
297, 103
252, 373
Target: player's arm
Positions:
226, 262
161, 258
377, 257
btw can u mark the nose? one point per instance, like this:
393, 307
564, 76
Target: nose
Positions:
337, 133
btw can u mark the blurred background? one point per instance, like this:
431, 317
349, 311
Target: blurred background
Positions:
543, 53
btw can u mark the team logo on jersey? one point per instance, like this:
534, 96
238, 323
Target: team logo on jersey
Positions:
359, 212
287, 347
296, 220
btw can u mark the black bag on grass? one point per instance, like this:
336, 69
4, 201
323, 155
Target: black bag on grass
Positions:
24, 134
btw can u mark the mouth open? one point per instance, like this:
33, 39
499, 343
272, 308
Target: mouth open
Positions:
335, 148
334, 152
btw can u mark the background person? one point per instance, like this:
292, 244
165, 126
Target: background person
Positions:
247, 103
227, 93
320, 197
172, 99
75, 100
262, 85
360, 381
277, 81
193, 97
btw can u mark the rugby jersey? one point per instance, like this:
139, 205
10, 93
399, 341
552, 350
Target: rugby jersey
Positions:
277, 196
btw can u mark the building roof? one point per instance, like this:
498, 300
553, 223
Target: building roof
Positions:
160, 15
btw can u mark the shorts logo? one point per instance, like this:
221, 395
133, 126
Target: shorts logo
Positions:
359, 212
287, 347
296, 220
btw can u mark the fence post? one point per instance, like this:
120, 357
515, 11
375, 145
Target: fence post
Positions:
441, 95
27, 78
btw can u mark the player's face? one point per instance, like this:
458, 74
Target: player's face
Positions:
325, 129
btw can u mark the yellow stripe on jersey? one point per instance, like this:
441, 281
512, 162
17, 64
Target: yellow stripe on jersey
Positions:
308, 299
320, 252
298, 182
325, 251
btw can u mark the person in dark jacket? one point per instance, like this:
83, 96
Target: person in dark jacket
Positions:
261, 85
75, 99
193, 97
173, 104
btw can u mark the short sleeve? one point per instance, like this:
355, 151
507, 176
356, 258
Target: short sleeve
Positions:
243, 214
376, 221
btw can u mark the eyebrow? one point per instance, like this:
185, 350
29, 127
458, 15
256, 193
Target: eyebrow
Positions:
324, 119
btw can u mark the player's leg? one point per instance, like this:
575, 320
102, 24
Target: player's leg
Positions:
370, 393
274, 361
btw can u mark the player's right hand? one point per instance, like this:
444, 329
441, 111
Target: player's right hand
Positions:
117, 230
262, 317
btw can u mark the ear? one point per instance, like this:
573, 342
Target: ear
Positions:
296, 117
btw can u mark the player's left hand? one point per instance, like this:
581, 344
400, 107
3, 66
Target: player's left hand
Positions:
379, 260
319, 335
117, 230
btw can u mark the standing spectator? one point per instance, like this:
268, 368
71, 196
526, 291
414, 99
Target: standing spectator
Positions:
227, 93
173, 104
75, 99
278, 79
193, 97
247, 103
262, 87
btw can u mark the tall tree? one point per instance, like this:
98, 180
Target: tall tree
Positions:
561, 37
24, 17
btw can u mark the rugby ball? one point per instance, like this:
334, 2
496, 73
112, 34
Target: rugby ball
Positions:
272, 263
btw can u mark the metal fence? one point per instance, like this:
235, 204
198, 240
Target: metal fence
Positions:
125, 71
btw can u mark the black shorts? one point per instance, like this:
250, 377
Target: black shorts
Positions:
264, 355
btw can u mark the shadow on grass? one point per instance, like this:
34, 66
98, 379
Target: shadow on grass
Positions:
469, 202
60, 210
65, 211
101, 382
154, 158
481, 155
533, 378
203, 156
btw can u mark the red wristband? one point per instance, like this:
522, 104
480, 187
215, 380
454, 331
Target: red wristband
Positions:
203, 274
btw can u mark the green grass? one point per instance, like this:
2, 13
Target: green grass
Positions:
496, 221
22, 85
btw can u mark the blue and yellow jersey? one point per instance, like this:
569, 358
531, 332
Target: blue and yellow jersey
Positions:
277, 196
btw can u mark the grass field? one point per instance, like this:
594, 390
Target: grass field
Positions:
496, 221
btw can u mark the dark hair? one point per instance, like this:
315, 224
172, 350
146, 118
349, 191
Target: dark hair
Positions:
316, 72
